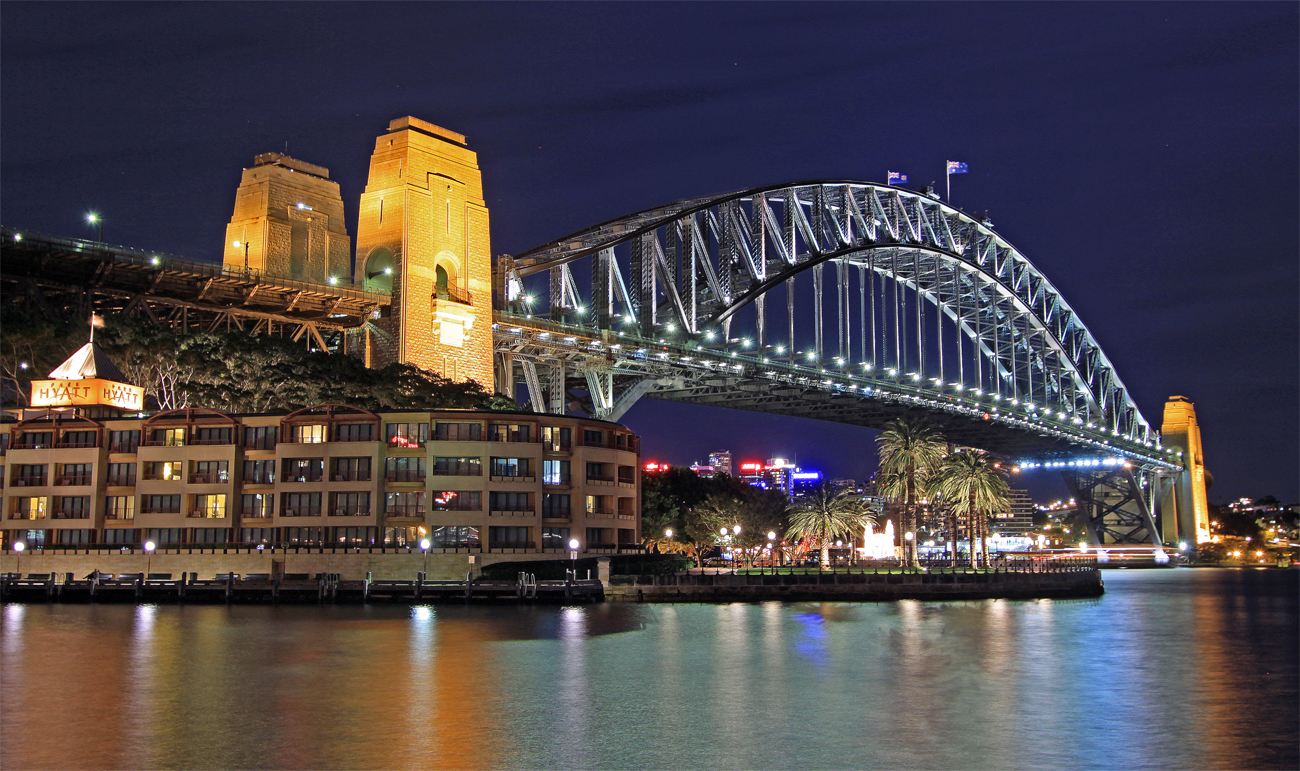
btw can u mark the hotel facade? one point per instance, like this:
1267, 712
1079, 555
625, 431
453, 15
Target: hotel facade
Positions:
331, 475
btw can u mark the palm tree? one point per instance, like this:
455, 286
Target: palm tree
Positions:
973, 483
826, 513
909, 449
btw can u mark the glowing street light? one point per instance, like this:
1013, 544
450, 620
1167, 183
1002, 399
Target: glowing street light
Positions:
94, 219
148, 549
573, 556
424, 545
18, 549
244, 244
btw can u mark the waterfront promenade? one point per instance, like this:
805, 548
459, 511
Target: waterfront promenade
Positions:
1013, 579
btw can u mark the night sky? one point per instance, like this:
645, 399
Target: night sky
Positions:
1143, 156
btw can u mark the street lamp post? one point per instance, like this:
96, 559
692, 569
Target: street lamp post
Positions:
908, 536
424, 566
244, 244
95, 219
148, 549
573, 557
18, 549
771, 545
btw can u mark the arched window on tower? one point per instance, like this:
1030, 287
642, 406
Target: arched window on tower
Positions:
440, 281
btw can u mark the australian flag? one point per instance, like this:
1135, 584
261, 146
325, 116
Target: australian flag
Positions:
957, 167
897, 178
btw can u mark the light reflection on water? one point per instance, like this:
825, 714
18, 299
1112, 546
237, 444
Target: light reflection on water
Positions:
1174, 668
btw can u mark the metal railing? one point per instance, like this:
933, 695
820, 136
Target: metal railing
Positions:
404, 476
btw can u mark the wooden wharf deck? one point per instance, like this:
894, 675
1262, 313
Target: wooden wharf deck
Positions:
286, 588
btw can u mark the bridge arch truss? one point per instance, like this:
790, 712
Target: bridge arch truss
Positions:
886, 284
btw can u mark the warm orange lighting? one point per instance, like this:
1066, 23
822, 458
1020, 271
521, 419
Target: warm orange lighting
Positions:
90, 391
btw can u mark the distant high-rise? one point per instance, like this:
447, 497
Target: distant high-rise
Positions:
721, 462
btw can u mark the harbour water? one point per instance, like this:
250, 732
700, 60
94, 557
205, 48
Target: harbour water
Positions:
1170, 669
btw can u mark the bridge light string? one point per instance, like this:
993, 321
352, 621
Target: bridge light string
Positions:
964, 405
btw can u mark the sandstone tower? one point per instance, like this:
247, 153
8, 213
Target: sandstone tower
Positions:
1188, 498
288, 222
422, 234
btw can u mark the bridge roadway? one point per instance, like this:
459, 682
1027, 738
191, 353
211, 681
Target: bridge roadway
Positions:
45, 270
44, 273
697, 375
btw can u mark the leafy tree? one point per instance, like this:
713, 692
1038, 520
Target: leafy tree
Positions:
229, 371
973, 483
909, 449
827, 513
30, 347
696, 507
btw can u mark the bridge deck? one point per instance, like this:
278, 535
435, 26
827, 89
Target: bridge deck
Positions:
54, 271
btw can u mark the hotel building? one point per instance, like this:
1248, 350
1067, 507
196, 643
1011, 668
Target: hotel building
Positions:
468, 481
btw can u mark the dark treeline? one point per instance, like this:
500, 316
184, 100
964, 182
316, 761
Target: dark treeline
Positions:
228, 371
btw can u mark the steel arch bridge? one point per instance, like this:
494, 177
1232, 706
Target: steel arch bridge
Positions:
725, 300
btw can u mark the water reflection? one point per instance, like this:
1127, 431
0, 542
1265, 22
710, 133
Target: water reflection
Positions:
1171, 668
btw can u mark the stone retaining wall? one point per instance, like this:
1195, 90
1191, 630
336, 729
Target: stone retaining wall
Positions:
390, 566
855, 587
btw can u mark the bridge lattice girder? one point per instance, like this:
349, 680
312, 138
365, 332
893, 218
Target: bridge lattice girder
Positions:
695, 272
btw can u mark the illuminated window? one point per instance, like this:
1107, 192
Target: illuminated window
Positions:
407, 434
454, 537
555, 472
166, 470
256, 504
167, 437
209, 506
509, 432
119, 507
310, 434
556, 438
29, 508
456, 500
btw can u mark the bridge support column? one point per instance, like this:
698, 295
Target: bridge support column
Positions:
1112, 506
558, 399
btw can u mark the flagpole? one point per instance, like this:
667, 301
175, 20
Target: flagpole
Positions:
947, 173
